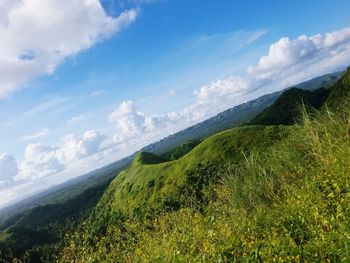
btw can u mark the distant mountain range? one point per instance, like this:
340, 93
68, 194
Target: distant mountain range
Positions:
235, 116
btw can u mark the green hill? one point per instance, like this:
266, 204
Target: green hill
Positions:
286, 109
148, 184
340, 92
210, 192
181, 150
144, 158
249, 194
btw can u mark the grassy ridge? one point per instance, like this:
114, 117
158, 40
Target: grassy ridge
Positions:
285, 110
279, 198
290, 203
242, 194
150, 178
144, 185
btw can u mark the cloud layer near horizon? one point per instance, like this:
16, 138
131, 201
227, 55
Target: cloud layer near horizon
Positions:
287, 62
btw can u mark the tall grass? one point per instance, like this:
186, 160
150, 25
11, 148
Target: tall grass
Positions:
290, 203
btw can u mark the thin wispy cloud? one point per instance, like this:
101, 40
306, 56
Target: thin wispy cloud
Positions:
77, 119
46, 106
97, 93
36, 135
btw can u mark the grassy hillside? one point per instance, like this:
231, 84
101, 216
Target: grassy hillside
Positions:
65, 193
158, 199
286, 109
181, 150
340, 93
37, 226
148, 183
250, 194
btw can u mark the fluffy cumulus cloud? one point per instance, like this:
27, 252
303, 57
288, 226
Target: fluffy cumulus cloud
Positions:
39, 161
8, 168
127, 119
36, 35
287, 62
233, 86
133, 124
42, 160
74, 149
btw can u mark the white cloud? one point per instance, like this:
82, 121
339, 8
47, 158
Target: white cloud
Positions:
36, 135
41, 160
45, 106
8, 168
77, 119
218, 90
127, 119
304, 56
97, 93
132, 123
74, 149
287, 62
37, 35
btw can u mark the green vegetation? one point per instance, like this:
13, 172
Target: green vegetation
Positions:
263, 192
145, 187
285, 110
255, 194
182, 150
39, 232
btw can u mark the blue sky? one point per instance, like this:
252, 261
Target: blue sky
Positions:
89, 88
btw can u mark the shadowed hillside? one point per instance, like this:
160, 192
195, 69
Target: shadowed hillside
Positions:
287, 108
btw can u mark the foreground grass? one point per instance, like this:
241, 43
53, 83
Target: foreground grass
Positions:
286, 203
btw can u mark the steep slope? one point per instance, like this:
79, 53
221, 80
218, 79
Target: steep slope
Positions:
340, 92
286, 109
143, 158
288, 202
144, 187
65, 194
181, 150
150, 183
